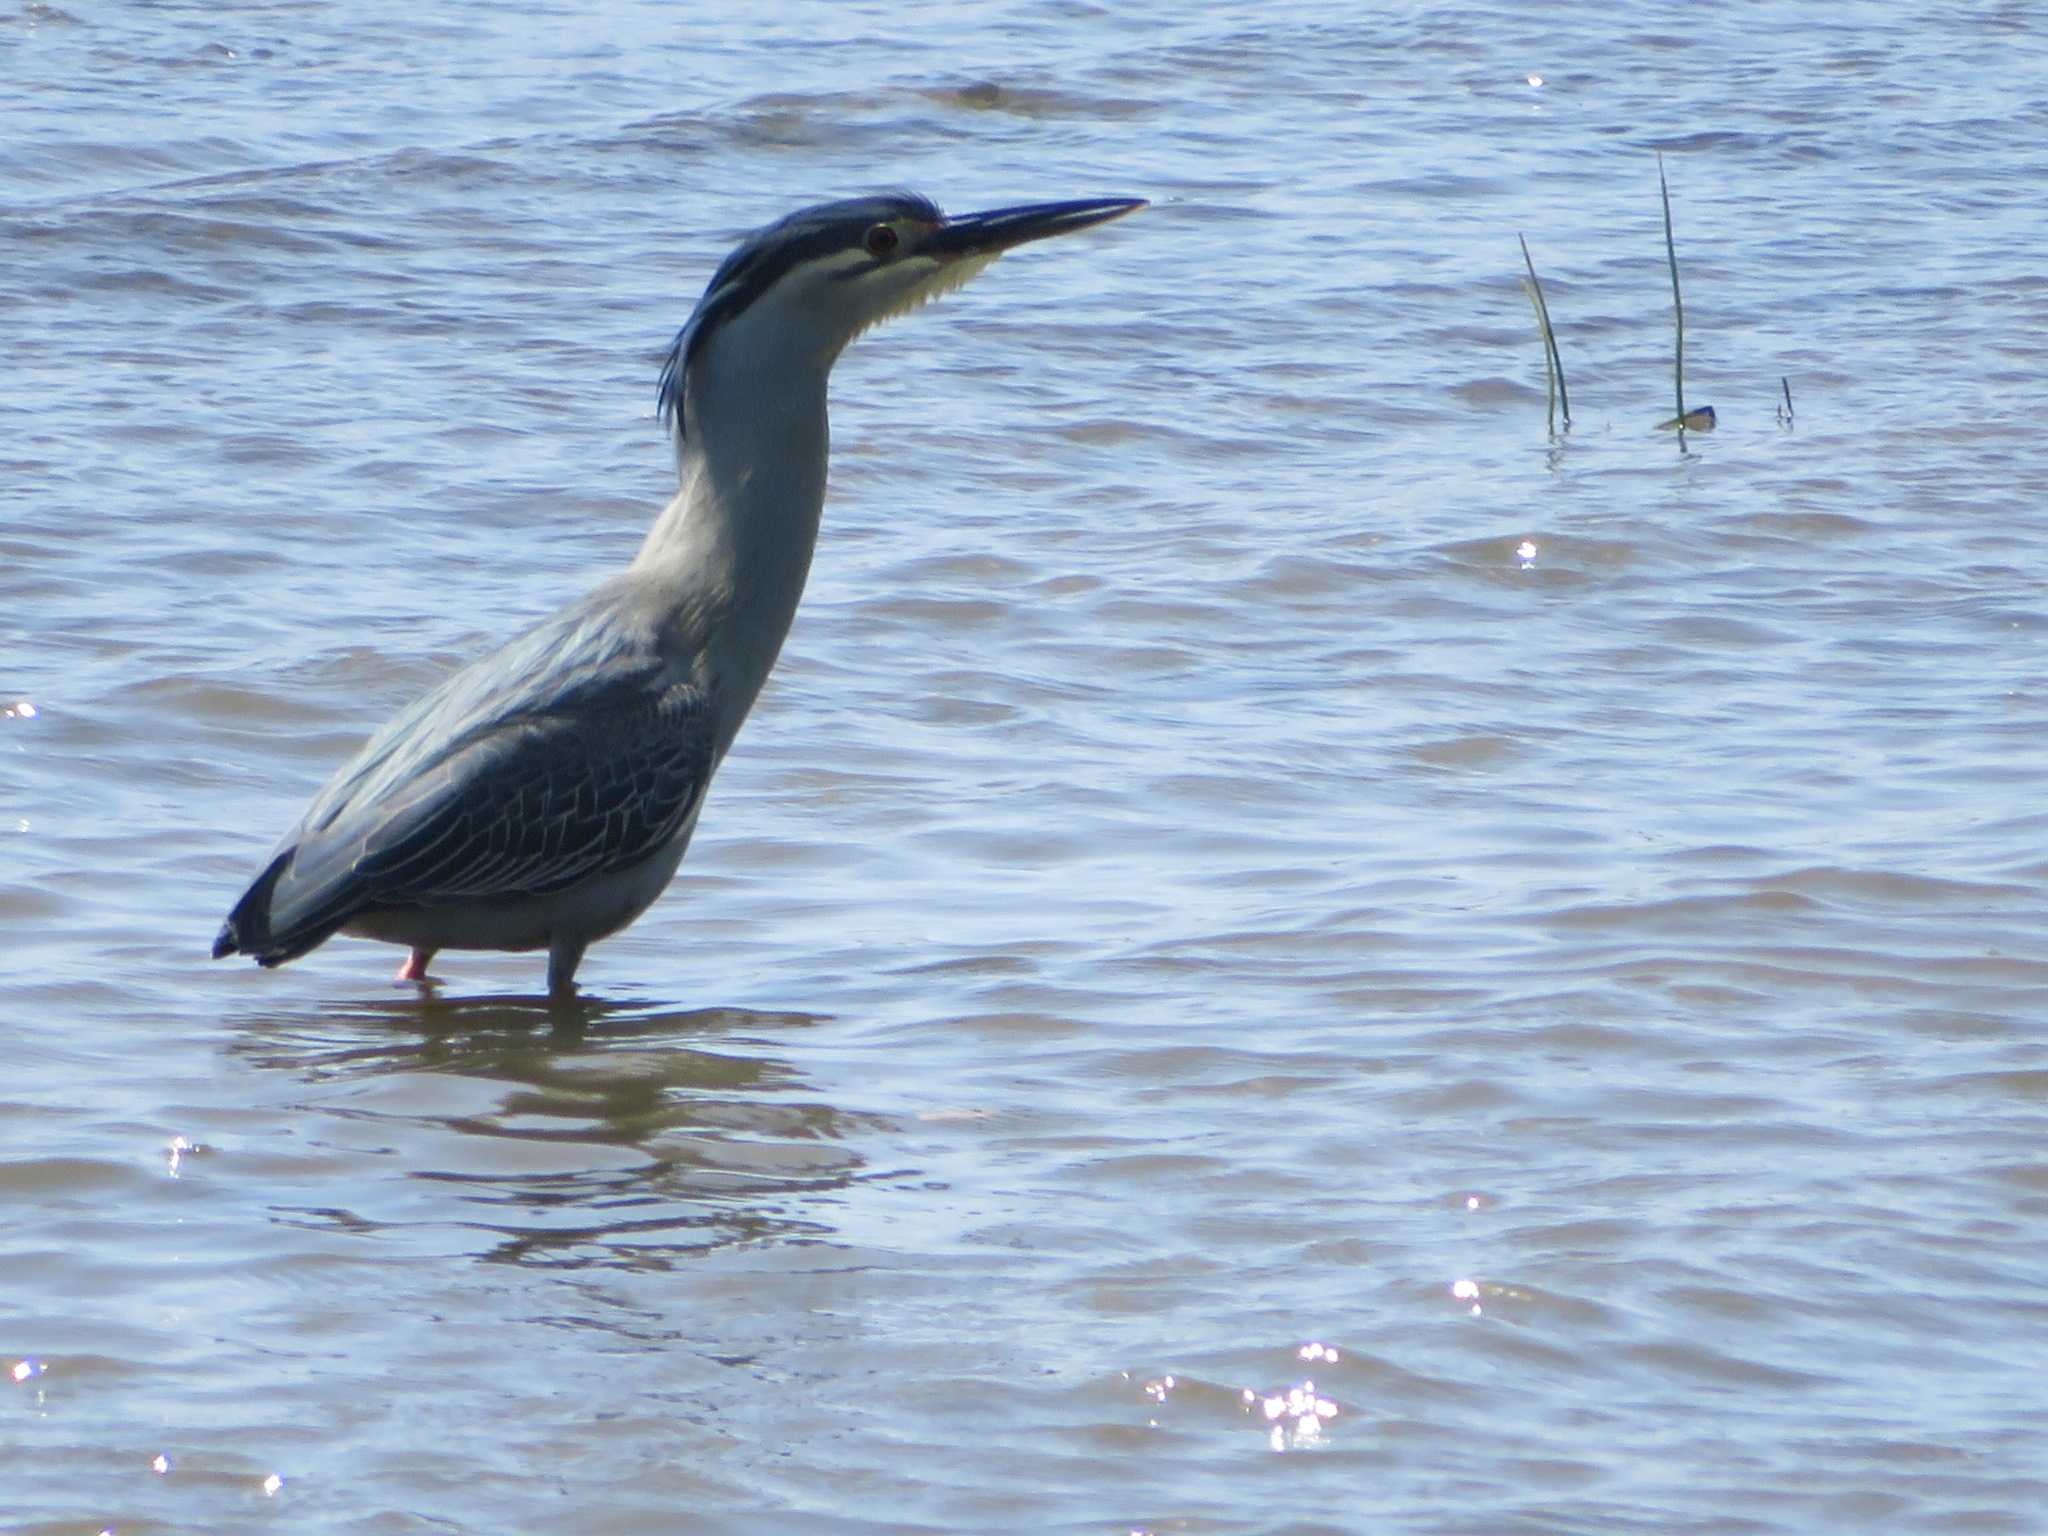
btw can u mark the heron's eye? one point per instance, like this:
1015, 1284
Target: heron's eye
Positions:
881, 241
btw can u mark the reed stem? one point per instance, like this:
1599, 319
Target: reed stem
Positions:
1677, 304
1553, 363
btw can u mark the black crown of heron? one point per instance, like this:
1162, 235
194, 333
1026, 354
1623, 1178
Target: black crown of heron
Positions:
542, 797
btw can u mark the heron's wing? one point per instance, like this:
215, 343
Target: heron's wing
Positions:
574, 752
589, 658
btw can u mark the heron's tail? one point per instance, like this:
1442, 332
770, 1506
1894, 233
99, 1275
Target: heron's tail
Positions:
248, 930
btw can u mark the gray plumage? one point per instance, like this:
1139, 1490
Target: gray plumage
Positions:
542, 796
575, 752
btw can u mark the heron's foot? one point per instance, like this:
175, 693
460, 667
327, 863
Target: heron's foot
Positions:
564, 955
415, 967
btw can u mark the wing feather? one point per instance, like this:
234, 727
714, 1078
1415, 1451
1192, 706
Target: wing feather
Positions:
574, 752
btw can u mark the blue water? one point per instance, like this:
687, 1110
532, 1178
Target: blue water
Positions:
1265, 882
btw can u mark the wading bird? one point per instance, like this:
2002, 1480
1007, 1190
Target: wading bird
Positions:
541, 797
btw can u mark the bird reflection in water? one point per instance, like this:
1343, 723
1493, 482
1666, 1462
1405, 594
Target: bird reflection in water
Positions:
629, 1137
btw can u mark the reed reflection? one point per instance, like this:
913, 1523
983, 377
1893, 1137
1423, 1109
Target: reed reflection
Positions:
633, 1137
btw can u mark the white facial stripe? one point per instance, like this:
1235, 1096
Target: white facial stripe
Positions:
845, 264
942, 280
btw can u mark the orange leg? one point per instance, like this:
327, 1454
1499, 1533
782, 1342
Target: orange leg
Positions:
415, 967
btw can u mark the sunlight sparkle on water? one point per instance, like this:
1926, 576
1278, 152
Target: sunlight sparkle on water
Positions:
174, 1154
1157, 1390
160, 1464
1314, 1351
23, 1369
1467, 1290
271, 1484
20, 709
1296, 1415
1526, 553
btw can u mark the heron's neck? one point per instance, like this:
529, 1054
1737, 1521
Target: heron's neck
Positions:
728, 556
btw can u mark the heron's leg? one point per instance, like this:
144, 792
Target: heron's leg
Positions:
564, 955
416, 963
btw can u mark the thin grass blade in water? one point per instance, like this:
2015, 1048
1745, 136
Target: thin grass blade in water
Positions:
1677, 308
1553, 363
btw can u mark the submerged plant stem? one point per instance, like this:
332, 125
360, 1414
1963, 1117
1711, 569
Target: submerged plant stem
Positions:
1553, 364
1677, 304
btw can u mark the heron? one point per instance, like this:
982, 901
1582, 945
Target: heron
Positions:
542, 796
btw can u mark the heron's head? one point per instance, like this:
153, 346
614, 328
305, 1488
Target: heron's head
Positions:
807, 285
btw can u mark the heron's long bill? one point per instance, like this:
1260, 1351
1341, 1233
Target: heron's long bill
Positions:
992, 233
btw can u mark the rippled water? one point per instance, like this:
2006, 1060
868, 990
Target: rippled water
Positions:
1284, 953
